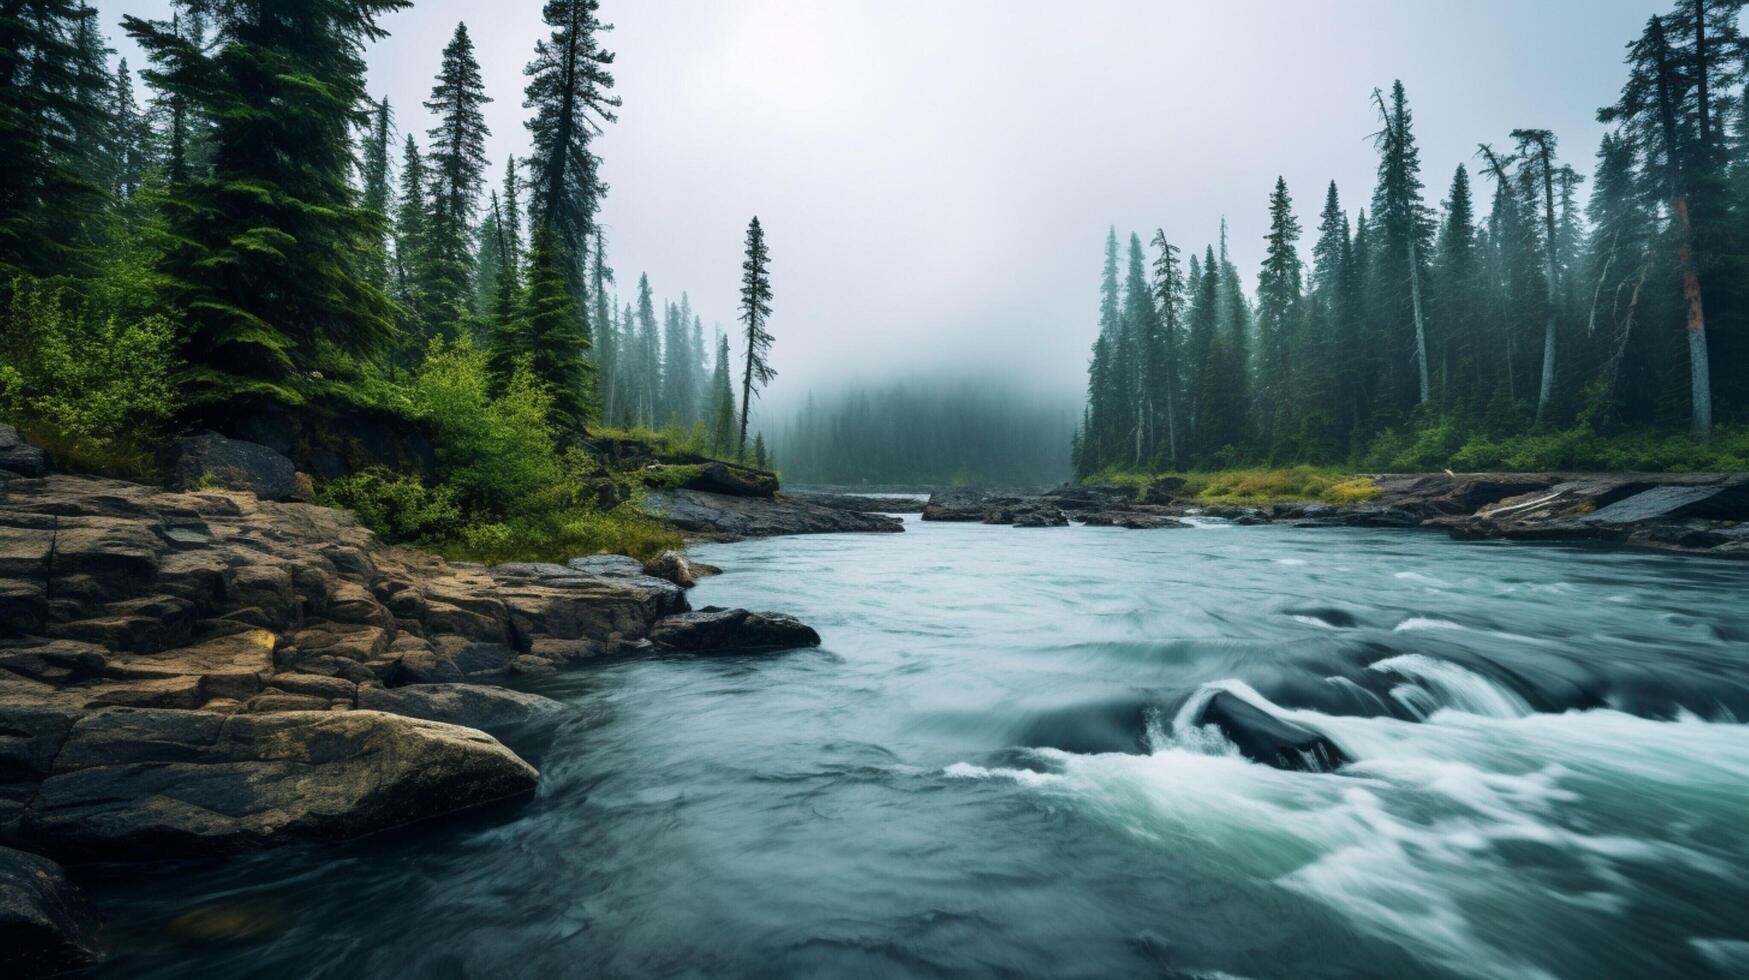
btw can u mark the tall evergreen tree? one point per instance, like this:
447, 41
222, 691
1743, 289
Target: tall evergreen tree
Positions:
377, 193
1163, 362
269, 250
133, 149
755, 310
1404, 225
569, 86
1536, 148
1279, 286
556, 343
412, 265
1653, 107
46, 194
457, 163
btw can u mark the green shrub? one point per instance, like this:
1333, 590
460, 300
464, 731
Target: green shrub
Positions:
399, 507
496, 452
88, 382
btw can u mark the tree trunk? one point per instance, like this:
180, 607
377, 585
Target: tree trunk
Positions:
1551, 267
1420, 328
1699, 372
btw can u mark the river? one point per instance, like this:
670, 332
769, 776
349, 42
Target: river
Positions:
986, 770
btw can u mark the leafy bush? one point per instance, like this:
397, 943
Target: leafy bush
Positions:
503, 490
399, 507
497, 452
88, 382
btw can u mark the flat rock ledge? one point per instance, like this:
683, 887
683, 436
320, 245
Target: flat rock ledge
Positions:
1687, 513
199, 672
721, 517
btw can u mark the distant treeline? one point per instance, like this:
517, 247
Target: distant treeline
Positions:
1518, 314
926, 433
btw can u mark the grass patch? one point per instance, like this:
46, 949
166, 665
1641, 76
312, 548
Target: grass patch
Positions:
1299, 484
624, 530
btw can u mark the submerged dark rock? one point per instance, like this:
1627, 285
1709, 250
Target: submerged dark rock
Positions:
1262, 737
47, 926
713, 629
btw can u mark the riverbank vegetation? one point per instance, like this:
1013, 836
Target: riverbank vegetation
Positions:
240, 246
1536, 328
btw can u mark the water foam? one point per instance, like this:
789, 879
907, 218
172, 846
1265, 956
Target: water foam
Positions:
1446, 685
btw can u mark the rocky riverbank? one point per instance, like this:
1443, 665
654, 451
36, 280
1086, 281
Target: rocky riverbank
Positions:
1689, 513
189, 673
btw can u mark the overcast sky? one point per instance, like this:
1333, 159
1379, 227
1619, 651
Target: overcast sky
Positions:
936, 178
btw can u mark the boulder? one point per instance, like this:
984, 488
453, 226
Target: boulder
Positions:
726, 518
1262, 737
728, 478
489, 709
675, 567
18, 457
1043, 515
1132, 520
956, 505
47, 927
211, 460
717, 630
135, 782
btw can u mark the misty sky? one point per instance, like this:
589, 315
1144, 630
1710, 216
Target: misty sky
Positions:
936, 177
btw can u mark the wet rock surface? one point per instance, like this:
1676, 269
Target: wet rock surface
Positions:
189, 672
1262, 737
1690, 513
46, 925
728, 518
18, 458
714, 629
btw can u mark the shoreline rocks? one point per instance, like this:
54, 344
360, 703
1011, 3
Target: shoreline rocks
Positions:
719, 517
1687, 513
188, 670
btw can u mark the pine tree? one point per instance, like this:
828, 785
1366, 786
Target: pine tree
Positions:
1457, 283
568, 89
649, 357
46, 195
607, 341
1536, 148
1163, 360
458, 166
1201, 379
1141, 340
412, 265
555, 344
132, 137
376, 177
1278, 310
1652, 108
270, 249
759, 457
722, 400
755, 310
1404, 225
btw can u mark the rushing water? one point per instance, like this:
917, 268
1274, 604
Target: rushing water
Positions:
990, 769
